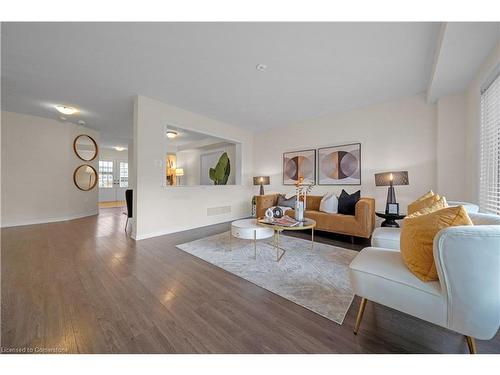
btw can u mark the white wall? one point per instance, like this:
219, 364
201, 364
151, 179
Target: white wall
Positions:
473, 123
451, 142
399, 135
160, 210
112, 154
131, 169
190, 161
37, 171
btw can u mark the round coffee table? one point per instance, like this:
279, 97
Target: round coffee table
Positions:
304, 225
248, 229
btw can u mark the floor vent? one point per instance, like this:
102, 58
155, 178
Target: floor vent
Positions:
213, 211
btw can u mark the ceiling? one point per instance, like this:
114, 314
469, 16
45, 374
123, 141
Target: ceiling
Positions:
185, 137
462, 47
210, 68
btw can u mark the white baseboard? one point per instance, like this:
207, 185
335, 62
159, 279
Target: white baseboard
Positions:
182, 229
18, 223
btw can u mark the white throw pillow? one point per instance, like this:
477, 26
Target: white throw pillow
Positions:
329, 204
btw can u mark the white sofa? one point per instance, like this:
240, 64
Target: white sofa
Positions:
466, 299
388, 237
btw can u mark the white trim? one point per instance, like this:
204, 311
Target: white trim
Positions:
490, 78
182, 229
18, 223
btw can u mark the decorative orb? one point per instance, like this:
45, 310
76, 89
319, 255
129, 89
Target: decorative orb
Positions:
277, 212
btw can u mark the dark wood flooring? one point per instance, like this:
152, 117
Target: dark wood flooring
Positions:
84, 286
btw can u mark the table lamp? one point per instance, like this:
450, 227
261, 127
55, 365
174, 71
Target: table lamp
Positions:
390, 179
261, 180
179, 172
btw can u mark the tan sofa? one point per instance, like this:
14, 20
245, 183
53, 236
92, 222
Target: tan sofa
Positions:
361, 224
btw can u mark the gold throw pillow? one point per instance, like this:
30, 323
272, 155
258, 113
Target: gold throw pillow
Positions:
417, 237
425, 201
441, 203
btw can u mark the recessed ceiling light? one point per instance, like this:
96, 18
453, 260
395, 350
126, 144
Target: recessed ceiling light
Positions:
81, 122
62, 118
66, 110
119, 148
261, 67
171, 134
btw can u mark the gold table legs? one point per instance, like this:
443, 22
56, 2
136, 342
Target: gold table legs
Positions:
277, 233
471, 343
277, 245
255, 244
360, 315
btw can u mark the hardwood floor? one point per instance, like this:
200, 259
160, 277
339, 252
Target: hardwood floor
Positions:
112, 204
83, 286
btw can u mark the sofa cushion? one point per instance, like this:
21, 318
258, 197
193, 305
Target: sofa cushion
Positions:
286, 202
417, 238
437, 205
469, 207
380, 275
386, 237
338, 223
329, 204
347, 202
360, 225
426, 200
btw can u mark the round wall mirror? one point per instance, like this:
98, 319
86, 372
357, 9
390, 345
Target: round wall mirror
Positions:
85, 177
85, 147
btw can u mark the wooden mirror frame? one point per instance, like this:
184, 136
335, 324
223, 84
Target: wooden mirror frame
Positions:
95, 144
95, 180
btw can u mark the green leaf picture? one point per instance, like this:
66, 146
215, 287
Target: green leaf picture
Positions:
220, 173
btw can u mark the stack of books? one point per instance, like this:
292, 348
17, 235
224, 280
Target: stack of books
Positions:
285, 221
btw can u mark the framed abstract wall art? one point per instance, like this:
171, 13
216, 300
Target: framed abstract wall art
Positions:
299, 164
340, 165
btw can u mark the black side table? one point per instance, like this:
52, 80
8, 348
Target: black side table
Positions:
390, 219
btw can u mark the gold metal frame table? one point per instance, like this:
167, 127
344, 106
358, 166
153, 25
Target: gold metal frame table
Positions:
303, 225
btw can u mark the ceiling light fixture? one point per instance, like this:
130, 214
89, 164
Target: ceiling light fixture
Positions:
81, 122
119, 148
171, 134
261, 67
65, 110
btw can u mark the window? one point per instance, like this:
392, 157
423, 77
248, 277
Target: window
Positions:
123, 174
105, 174
489, 178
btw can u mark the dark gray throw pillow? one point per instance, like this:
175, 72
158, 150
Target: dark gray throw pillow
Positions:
283, 202
347, 202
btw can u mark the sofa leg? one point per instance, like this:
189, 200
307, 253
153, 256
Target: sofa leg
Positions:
360, 315
472, 344
352, 240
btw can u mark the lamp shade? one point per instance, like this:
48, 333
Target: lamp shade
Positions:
179, 172
261, 180
398, 178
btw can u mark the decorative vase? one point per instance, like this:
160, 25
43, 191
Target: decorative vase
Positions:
269, 214
299, 211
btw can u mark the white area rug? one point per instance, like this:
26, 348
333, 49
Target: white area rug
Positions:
316, 279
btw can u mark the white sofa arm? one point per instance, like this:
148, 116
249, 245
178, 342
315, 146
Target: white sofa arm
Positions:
387, 238
468, 264
469, 207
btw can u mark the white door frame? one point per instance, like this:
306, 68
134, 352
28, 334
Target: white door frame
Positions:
114, 193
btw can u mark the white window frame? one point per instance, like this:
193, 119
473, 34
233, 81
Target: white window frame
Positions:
489, 145
105, 173
123, 174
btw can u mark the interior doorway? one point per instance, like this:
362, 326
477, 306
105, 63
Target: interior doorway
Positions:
113, 181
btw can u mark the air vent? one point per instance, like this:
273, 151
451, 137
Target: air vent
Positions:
214, 211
